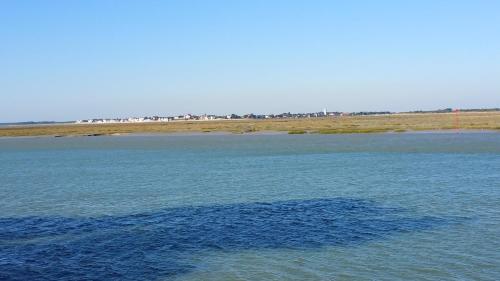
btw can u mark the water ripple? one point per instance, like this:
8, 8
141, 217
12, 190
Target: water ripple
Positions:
156, 245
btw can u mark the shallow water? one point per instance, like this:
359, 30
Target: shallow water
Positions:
251, 207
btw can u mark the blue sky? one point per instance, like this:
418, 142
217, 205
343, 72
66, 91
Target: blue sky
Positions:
67, 60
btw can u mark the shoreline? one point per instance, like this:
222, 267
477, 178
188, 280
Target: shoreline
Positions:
418, 123
261, 133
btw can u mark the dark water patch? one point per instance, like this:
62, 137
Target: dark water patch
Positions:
151, 245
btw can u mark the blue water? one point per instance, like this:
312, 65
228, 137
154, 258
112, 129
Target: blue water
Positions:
423, 206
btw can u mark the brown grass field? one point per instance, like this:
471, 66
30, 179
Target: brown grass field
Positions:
330, 125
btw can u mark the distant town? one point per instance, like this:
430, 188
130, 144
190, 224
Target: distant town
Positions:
207, 117
320, 114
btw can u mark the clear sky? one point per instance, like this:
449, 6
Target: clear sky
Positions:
67, 60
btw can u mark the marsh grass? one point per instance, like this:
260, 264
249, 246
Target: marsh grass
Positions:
331, 125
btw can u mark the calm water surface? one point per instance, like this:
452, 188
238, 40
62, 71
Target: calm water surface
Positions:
251, 207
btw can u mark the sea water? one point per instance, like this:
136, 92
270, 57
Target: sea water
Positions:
411, 206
